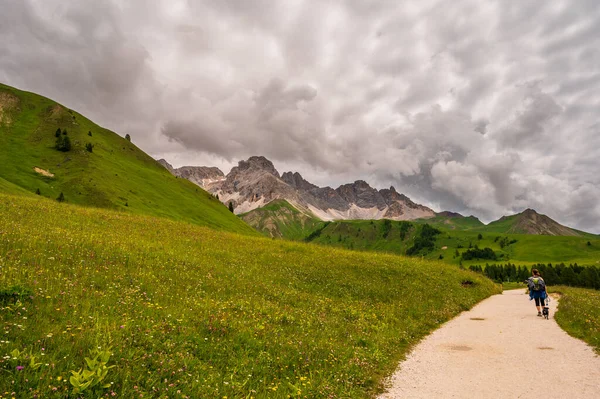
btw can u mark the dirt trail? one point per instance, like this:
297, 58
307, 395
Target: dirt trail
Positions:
511, 353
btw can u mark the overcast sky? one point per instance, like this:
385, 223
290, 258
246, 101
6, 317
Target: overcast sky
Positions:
484, 107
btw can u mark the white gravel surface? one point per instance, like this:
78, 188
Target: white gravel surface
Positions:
511, 353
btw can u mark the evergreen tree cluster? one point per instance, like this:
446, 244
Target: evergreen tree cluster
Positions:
63, 142
477, 253
425, 241
560, 274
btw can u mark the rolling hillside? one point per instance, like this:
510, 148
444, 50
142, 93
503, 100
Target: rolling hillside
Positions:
176, 307
449, 245
115, 175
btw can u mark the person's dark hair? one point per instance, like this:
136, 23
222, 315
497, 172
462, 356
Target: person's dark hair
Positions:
535, 271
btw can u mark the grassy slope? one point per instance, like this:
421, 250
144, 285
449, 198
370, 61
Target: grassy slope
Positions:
365, 235
280, 219
115, 174
579, 314
211, 314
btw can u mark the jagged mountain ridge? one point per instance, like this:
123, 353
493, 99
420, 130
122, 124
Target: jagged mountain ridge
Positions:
255, 183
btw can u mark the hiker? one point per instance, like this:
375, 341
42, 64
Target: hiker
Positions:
537, 290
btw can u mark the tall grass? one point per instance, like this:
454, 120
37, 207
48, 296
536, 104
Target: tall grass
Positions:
189, 312
579, 314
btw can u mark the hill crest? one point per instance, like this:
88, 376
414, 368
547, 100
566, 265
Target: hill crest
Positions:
531, 222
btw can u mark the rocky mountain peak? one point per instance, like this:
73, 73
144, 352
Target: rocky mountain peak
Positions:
255, 164
531, 222
255, 182
529, 212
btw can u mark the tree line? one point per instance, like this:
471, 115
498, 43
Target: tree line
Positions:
560, 274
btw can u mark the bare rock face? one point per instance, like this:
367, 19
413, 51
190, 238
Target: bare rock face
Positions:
255, 182
297, 181
201, 175
362, 195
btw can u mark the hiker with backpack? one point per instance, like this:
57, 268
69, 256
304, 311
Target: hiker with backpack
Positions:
537, 290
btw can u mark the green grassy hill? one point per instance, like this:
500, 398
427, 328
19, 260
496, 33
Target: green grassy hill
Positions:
187, 311
115, 175
282, 220
378, 235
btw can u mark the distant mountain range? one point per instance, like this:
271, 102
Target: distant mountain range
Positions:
255, 183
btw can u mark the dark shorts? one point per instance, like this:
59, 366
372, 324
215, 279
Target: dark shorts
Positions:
538, 300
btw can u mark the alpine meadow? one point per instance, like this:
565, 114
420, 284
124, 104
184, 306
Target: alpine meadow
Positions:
188, 311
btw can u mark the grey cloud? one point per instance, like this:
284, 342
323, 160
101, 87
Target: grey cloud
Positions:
435, 99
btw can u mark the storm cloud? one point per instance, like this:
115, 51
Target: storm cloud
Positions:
481, 107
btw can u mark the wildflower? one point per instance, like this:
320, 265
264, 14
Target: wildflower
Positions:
19, 368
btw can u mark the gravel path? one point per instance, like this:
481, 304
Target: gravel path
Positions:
499, 349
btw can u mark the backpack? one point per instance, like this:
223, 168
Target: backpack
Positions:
537, 284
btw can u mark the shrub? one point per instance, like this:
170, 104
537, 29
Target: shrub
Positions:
89, 147
61, 197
